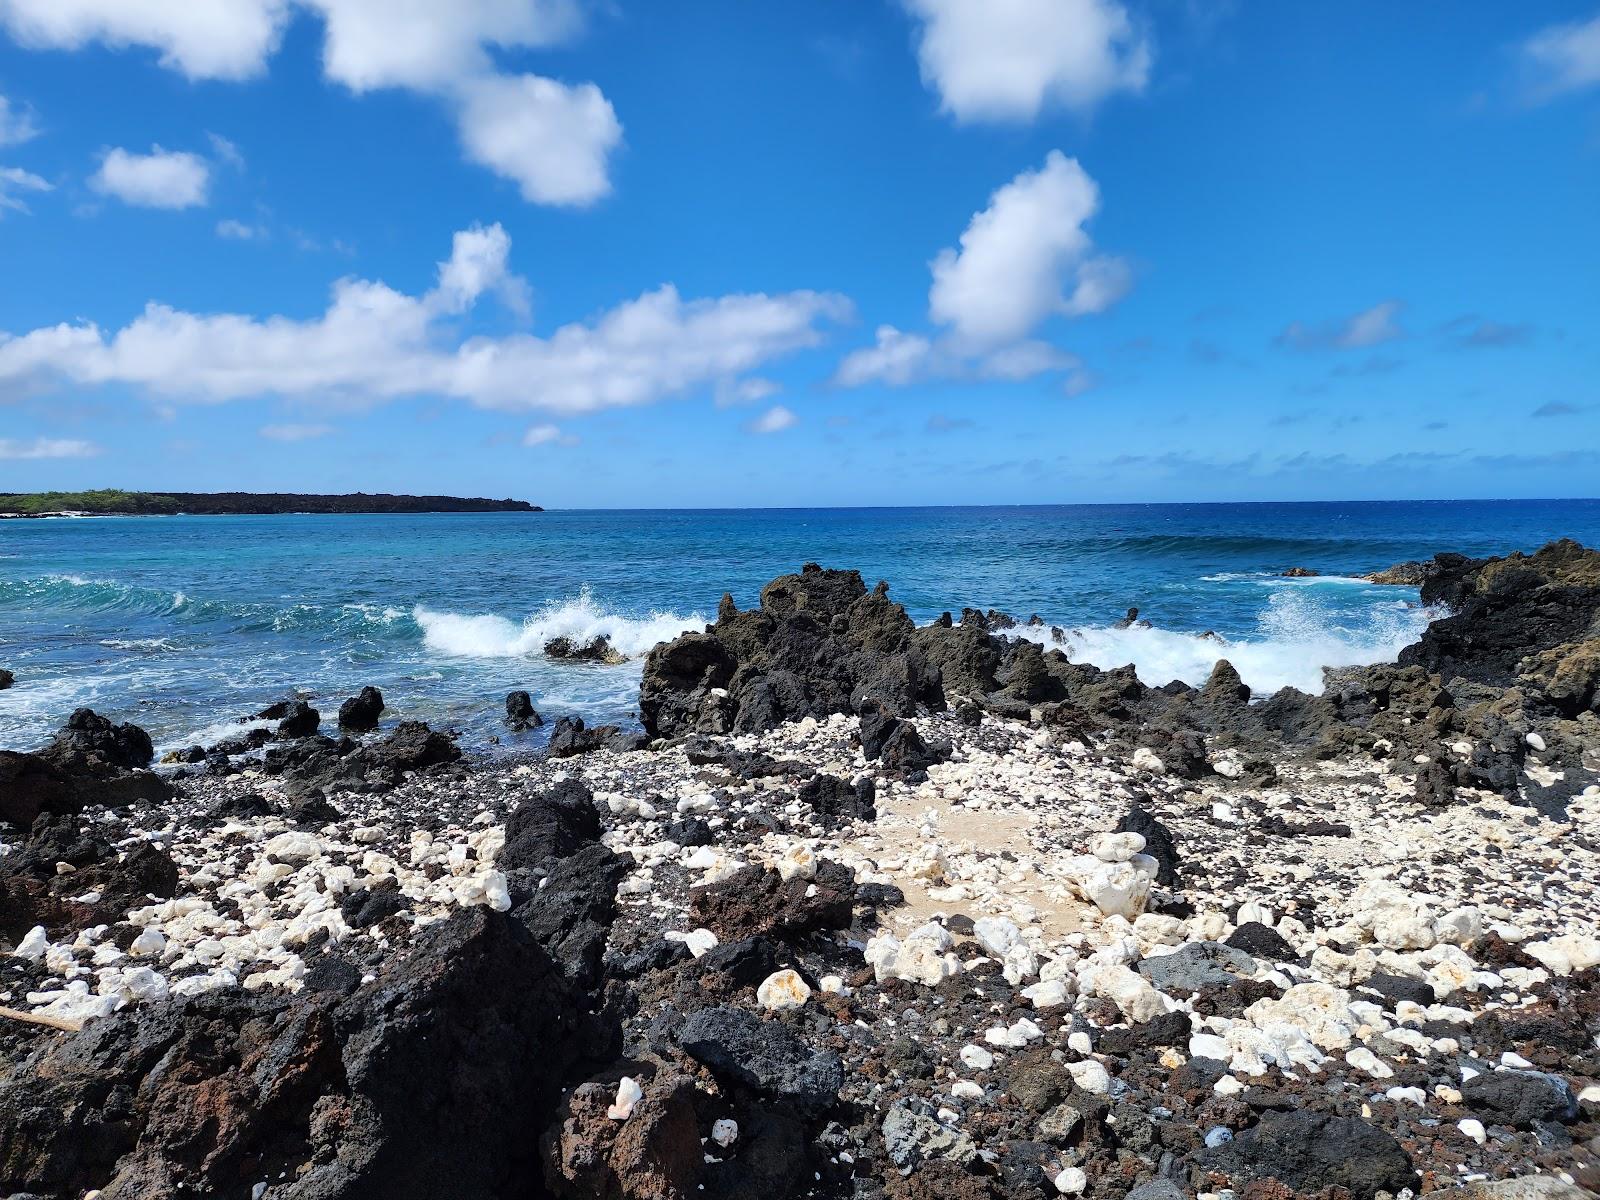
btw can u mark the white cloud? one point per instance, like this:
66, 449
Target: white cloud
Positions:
240, 231
47, 448
1022, 260
226, 151
428, 45
1370, 327
374, 343
295, 433
16, 124
14, 180
731, 393
547, 435
202, 39
896, 358
1006, 60
1563, 58
552, 139
775, 420
160, 179
1017, 254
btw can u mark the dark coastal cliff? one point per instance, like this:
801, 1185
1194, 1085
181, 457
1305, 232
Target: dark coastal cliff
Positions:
120, 503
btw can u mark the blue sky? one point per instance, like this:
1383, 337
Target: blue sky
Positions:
845, 252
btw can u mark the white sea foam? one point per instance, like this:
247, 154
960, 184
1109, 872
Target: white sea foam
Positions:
1296, 639
217, 731
145, 645
580, 619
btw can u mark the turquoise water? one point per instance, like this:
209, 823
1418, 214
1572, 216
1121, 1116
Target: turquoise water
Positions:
181, 623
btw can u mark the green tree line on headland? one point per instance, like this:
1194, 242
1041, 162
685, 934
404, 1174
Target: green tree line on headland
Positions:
113, 501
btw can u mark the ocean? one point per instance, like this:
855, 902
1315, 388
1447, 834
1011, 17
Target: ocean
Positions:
185, 624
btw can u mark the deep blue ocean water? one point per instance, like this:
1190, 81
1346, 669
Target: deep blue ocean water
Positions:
185, 623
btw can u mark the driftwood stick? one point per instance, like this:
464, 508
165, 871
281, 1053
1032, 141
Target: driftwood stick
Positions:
65, 1024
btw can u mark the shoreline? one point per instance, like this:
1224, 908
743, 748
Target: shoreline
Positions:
1041, 931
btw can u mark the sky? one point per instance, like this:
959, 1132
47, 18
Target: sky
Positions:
715, 253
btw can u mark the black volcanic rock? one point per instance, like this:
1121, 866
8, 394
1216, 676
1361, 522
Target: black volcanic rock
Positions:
361, 712
520, 712
819, 644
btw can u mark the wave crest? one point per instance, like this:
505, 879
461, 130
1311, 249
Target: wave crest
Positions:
1297, 638
580, 619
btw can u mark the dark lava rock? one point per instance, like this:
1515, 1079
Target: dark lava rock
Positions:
690, 831
563, 881
88, 734
1395, 988
33, 893
571, 737
520, 713
1159, 843
1197, 966
1169, 1029
364, 907
1263, 942
820, 643
837, 802
413, 746
893, 741
299, 720
595, 650
6, 679
425, 1083
1310, 1151
743, 1050
361, 711
90, 761
757, 900
654, 1155
1520, 1097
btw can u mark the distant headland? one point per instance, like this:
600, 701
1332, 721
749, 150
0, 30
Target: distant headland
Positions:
113, 502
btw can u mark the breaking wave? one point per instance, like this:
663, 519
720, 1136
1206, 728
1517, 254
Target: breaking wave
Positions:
1296, 639
580, 619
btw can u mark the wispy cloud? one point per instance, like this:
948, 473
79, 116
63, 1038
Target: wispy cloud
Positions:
1370, 327
1561, 58
14, 181
47, 448
1472, 332
295, 433
775, 420
1560, 408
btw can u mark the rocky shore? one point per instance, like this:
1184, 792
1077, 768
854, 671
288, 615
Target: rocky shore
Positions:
865, 910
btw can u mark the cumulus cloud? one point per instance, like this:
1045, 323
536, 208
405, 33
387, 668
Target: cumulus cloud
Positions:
1022, 260
160, 179
14, 181
1006, 60
374, 343
1370, 327
775, 420
47, 448
207, 39
552, 139
295, 433
16, 124
1025, 257
731, 393
1563, 58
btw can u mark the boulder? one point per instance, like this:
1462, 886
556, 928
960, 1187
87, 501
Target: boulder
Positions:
423, 1083
361, 711
742, 1050
520, 713
595, 650
572, 737
1312, 1151
759, 901
6, 679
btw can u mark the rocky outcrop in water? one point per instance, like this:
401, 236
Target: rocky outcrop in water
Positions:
92, 760
820, 643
